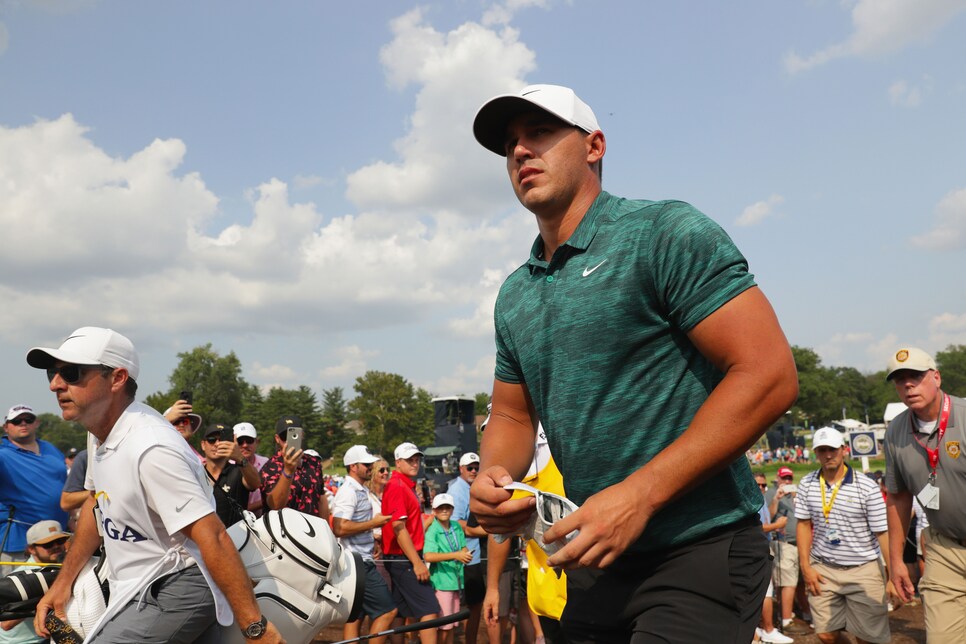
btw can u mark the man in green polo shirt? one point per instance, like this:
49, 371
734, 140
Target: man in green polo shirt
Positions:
636, 334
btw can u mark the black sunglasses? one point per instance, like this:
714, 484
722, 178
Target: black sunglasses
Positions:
56, 542
73, 373
473, 468
244, 440
383, 470
23, 420
211, 440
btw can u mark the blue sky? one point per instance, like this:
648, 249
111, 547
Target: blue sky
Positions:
297, 181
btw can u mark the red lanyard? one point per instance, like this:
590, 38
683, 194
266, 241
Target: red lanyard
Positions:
933, 453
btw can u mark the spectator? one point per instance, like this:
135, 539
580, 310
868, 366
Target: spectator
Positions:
161, 536
767, 632
375, 487
46, 543
232, 483
32, 476
247, 439
403, 541
353, 522
475, 576
784, 547
447, 554
69, 458
74, 493
925, 460
292, 479
186, 422
841, 535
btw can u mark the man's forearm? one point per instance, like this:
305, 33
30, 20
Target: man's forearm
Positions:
803, 536
250, 477
405, 542
72, 500
497, 555
898, 515
278, 497
83, 545
347, 528
225, 566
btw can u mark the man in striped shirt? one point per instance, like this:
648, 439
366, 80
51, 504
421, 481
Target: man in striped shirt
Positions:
841, 533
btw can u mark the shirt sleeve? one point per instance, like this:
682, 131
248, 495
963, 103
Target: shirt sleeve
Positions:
269, 474
893, 478
875, 508
393, 503
801, 504
695, 265
77, 474
344, 503
173, 489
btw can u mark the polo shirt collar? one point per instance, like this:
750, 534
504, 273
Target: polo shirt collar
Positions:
352, 483
581, 237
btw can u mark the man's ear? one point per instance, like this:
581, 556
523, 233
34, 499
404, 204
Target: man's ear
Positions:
596, 146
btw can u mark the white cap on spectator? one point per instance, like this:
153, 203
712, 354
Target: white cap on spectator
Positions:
44, 532
469, 457
827, 437
17, 411
405, 450
358, 454
443, 499
244, 429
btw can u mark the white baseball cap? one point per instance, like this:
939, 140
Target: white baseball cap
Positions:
90, 345
469, 457
17, 411
358, 454
489, 126
405, 450
244, 429
911, 358
443, 499
827, 437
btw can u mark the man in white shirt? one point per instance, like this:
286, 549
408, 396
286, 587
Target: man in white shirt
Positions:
353, 523
841, 532
174, 573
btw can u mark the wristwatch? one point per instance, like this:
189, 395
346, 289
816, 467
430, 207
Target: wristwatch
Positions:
255, 630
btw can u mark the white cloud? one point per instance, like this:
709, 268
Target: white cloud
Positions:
759, 211
881, 27
441, 168
301, 181
276, 373
904, 95
949, 232
466, 379
352, 361
946, 329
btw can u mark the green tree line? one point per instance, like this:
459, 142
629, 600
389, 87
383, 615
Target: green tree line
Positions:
387, 409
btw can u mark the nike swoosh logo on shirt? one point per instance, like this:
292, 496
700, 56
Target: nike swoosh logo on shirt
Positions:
183, 505
588, 271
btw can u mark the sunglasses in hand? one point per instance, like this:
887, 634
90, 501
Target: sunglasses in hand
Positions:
550, 509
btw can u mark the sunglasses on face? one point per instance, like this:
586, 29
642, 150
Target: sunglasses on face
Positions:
383, 470
23, 420
211, 440
473, 468
54, 543
763, 486
73, 373
245, 440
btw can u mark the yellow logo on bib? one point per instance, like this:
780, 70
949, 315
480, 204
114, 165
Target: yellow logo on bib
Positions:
952, 448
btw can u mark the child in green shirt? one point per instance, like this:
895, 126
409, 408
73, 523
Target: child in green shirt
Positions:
445, 551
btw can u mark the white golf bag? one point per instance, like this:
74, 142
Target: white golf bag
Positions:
303, 579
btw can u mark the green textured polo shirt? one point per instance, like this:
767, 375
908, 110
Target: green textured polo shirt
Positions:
599, 337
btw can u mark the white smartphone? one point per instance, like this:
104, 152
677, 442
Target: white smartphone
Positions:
789, 488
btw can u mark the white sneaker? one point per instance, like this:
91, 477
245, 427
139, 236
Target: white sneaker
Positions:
774, 637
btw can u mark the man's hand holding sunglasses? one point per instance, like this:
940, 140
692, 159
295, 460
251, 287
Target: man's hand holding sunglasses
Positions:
492, 505
608, 521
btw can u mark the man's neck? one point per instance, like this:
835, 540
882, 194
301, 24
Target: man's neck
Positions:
836, 476
358, 479
28, 443
103, 428
932, 412
557, 226
215, 466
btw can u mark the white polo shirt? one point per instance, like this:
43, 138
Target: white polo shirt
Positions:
352, 503
858, 514
148, 485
